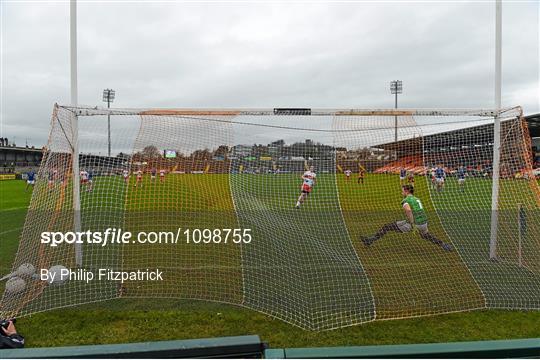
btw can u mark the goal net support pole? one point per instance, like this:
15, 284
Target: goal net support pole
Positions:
496, 133
75, 127
521, 224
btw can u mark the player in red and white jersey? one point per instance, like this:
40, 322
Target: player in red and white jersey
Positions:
433, 182
348, 174
125, 174
310, 179
53, 176
139, 177
162, 175
410, 178
84, 176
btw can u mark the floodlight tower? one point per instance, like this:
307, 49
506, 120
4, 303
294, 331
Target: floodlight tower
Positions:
108, 97
396, 87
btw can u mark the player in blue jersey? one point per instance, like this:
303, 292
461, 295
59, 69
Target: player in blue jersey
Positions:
461, 174
90, 183
402, 176
440, 176
30, 179
153, 174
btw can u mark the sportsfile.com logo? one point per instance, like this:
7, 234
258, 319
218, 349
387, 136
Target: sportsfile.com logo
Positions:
120, 237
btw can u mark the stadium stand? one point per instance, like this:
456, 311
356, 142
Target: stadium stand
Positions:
15, 159
261, 159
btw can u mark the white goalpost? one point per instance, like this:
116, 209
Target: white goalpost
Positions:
75, 140
496, 131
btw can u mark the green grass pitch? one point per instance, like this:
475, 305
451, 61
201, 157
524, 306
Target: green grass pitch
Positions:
129, 320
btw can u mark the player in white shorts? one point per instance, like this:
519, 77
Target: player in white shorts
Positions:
84, 177
309, 178
30, 179
52, 178
402, 176
125, 173
348, 174
440, 176
161, 175
433, 182
461, 174
139, 178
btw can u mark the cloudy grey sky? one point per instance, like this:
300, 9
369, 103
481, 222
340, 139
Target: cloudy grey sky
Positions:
263, 54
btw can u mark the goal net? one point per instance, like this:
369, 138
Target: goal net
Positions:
296, 213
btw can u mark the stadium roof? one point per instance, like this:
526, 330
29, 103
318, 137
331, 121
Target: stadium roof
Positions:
534, 124
467, 136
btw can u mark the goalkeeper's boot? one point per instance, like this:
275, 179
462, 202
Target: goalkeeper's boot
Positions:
447, 247
368, 240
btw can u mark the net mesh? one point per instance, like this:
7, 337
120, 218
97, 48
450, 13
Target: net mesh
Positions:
271, 211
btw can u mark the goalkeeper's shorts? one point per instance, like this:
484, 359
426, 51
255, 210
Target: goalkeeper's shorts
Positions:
405, 226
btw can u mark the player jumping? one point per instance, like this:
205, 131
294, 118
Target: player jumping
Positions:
309, 178
416, 219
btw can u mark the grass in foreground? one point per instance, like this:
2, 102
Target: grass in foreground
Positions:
122, 322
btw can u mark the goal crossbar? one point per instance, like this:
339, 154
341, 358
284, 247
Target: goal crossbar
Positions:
505, 112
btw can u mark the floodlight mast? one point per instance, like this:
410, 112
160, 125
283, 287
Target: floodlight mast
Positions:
75, 126
396, 87
496, 133
108, 97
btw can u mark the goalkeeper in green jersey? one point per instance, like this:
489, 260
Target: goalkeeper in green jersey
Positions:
416, 220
